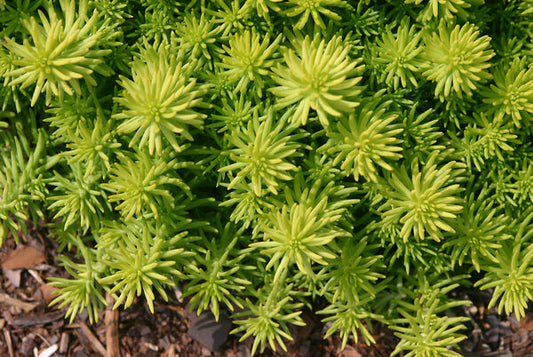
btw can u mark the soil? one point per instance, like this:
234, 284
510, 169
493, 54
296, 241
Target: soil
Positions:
31, 328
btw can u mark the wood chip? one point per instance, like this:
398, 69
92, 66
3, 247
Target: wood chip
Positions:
49, 352
9, 301
171, 352
151, 346
527, 322
63, 344
24, 257
37, 319
95, 342
27, 345
9, 342
36, 276
43, 267
349, 351
13, 275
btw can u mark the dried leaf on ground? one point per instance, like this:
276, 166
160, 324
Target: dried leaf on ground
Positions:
47, 293
24, 257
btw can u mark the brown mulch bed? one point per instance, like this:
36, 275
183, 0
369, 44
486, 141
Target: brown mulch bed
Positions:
31, 328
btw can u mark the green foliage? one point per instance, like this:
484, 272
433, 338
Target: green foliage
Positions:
197, 37
65, 49
93, 148
159, 100
71, 114
400, 54
510, 273
247, 61
349, 320
142, 266
484, 140
313, 9
319, 77
144, 184
425, 201
233, 113
266, 319
261, 7
359, 161
481, 229
447, 9
300, 233
14, 12
80, 202
21, 181
366, 139
350, 288
425, 332
84, 291
261, 152
425, 328
456, 59
217, 275
352, 274
512, 91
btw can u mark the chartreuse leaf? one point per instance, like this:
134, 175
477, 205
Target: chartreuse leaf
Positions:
64, 48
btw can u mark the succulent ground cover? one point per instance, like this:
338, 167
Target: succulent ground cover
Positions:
364, 161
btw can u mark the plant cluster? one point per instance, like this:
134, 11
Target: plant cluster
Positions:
268, 155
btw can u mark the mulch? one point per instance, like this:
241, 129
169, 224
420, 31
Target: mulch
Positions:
31, 328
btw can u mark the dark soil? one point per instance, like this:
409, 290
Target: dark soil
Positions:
167, 332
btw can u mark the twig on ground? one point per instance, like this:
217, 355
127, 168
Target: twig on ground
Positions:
95, 342
8, 300
111, 329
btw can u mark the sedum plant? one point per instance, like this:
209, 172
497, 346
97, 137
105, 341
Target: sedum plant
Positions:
81, 203
247, 61
512, 92
84, 291
319, 77
22, 182
64, 48
366, 139
308, 10
422, 331
510, 273
267, 318
300, 232
217, 272
143, 184
424, 202
400, 54
261, 152
456, 59
158, 101
446, 9
360, 162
